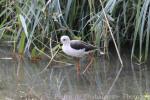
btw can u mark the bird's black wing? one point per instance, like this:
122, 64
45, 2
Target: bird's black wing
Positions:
76, 44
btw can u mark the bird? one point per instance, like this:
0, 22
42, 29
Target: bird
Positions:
77, 49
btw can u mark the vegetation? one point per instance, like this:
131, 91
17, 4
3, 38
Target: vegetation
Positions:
34, 28
32, 24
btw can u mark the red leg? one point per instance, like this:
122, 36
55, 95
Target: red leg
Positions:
90, 62
78, 67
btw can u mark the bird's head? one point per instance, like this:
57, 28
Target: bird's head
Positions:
65, 39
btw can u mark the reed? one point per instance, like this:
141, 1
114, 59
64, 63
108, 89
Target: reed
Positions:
25, 20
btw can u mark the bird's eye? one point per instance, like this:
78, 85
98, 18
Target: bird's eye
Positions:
64, 39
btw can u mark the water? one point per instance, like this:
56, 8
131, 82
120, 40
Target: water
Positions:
24, 80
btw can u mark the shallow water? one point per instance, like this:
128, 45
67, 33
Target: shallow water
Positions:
23, 80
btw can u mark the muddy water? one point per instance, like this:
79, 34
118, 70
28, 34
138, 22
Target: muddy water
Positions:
106, 79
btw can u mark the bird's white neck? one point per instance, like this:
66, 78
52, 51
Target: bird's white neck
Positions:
66, 44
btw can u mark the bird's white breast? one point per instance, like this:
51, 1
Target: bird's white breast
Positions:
73, 52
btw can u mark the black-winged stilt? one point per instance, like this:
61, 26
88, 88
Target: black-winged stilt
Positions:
77, 49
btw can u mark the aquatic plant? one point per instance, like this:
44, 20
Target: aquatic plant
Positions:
32, 24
